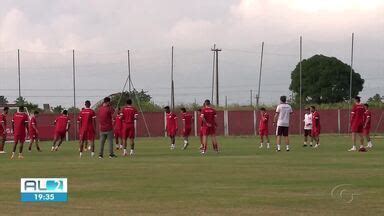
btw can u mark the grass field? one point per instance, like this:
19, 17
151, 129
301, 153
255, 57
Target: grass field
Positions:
241, 180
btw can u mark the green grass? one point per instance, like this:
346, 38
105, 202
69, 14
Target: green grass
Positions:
241, 180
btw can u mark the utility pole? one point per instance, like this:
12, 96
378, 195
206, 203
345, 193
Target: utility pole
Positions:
216, 54
172, 84
74, 90
18, 71
350, 78
260, 70
250, 91
129, 72
301, 84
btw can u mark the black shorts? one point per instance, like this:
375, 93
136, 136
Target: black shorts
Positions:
282, 131
307, 132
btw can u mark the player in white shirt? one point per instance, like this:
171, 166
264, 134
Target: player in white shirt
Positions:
282, 117
307, 127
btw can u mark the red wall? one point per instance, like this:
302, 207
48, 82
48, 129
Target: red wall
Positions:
240, 123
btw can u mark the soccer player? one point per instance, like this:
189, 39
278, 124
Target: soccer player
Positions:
307, 127
200, 123
208, 115
171, 125
263, 127
128, 116
357, 123
34, 132
87, 127
62, 124
106, 127
282, 116
3, 129
19, 126
187, 126
315, 133
367, 125
117, 130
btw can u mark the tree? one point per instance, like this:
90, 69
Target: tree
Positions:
57, 109
325, 80
375, 100
73, 109
3, 100
20, 101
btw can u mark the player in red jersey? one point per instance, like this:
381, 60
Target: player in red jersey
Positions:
200, 123
208, 115
263, 127
3, 129
19, 126
357, 123
87, 121
316, 127
367, 125
62, 124
117, 130
128, 117
187, 126
34, 132
171, 125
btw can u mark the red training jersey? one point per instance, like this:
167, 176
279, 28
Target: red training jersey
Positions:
263, 123
367, 119
209, 114
61, 123
128, 115
357, 114
117, 122
86, 117
32, 123
171, 121
316, 121
3, 120
20, 121
105, 118
187, 118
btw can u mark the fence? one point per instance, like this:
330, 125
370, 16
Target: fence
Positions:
229, 123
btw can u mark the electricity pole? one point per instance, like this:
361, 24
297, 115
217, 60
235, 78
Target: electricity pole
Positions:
216, 53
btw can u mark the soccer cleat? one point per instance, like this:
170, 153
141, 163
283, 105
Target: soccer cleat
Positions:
317, 145
202, 152
53, 148
278, 150
21, 157
12, 156
92, 154
101, 157
112, 156
172, 146
125, 154
56, 148
185, 146
131, 153
369, 145
261, 146
352, 149
305, 145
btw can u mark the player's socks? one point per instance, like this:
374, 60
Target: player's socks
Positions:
278, 147
172, 146
132, 152
13, 155
21, 156
287, 147
125, 152
53, 148
121, 146
310, 144
185, 144
305, 144
81, 154
369, 144
267, 145
92, 154
261, 145
317, 145
353, 148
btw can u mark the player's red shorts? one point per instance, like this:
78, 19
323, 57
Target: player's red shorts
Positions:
19, 138
207, 131
128, 131
263, 132
357, 127
171, 132
366, 131
60, 134
117, 133
87, 135
187, 132
315, 132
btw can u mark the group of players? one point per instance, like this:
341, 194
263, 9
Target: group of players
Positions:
120, 126
360, 124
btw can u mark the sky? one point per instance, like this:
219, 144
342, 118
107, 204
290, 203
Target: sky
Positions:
101, 32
